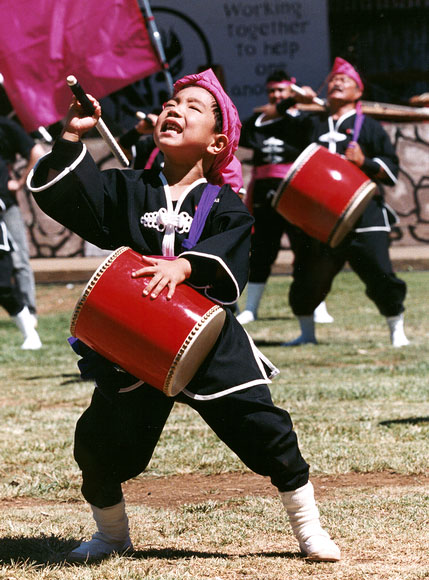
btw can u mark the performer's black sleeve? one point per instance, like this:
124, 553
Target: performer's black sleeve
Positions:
220, 260
15, 140
379, 152
130, 138
284, 105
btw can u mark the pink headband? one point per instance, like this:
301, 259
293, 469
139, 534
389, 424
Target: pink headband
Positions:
342, 67
226, 168
283, 83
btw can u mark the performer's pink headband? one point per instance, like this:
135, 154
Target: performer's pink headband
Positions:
342, 67
226, 168
283, 83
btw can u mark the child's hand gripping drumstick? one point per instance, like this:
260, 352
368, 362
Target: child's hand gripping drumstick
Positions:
92, 109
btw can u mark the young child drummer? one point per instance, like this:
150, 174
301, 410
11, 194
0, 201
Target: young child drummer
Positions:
198, 132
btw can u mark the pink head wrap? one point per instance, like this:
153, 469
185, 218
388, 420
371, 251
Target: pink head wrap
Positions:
342, 67
226, 168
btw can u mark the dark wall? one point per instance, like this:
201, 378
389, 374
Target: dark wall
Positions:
388, 41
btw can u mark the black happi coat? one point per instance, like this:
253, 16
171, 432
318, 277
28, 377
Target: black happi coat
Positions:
273, 142
133, 208
13, 141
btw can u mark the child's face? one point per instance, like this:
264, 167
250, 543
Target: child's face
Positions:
187, 123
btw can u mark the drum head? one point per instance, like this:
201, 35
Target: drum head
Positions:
352, 213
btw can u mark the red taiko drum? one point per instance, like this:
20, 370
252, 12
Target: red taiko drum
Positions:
162, 342
324, 194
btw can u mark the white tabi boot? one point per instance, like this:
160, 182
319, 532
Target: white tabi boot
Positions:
308, 335
397, 334
321, 314
303, 514
24, 320
112, 536
254, 295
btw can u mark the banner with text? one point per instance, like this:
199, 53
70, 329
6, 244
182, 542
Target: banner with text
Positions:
246, 40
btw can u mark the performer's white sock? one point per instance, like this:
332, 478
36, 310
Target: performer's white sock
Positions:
314, 541
308, 335
25, 322
396, 327
321, 314
112, 535
254, 295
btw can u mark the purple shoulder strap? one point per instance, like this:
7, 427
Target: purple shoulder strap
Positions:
358, 125
207, 199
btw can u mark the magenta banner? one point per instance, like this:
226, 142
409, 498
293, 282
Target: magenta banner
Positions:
104, 43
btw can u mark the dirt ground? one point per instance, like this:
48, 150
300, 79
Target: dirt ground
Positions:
190, 489
173, 492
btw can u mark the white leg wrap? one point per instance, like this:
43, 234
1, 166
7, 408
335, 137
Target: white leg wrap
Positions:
24, 320
303, 514
112, 535
308, 335
321, 314
254, 295
397, 334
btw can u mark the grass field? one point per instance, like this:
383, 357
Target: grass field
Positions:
361, 411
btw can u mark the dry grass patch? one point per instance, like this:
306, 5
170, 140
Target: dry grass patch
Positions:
382, 534
360, 408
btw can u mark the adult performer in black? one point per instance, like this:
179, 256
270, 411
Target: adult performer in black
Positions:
10, 296
14, 142
275, 143
198, 132
366, 248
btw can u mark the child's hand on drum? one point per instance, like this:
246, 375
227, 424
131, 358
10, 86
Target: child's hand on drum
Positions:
164, 273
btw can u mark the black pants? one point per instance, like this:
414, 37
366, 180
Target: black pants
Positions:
267, 232
115, 440
316, 266
10, 297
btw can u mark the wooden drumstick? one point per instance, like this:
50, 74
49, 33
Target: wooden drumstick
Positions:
300, 91
101, 127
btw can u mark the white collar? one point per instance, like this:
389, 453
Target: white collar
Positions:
173, 212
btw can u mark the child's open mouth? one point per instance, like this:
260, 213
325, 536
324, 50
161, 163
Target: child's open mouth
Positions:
171, 126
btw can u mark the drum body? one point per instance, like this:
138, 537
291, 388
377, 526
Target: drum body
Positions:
162, 342
323, 194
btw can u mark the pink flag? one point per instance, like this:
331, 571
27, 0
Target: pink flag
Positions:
103, 43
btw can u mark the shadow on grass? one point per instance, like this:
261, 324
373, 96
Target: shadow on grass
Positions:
275, 318
35, 550
260, 342
175, 554
283, 343
51, 550
409, 421
70, 378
